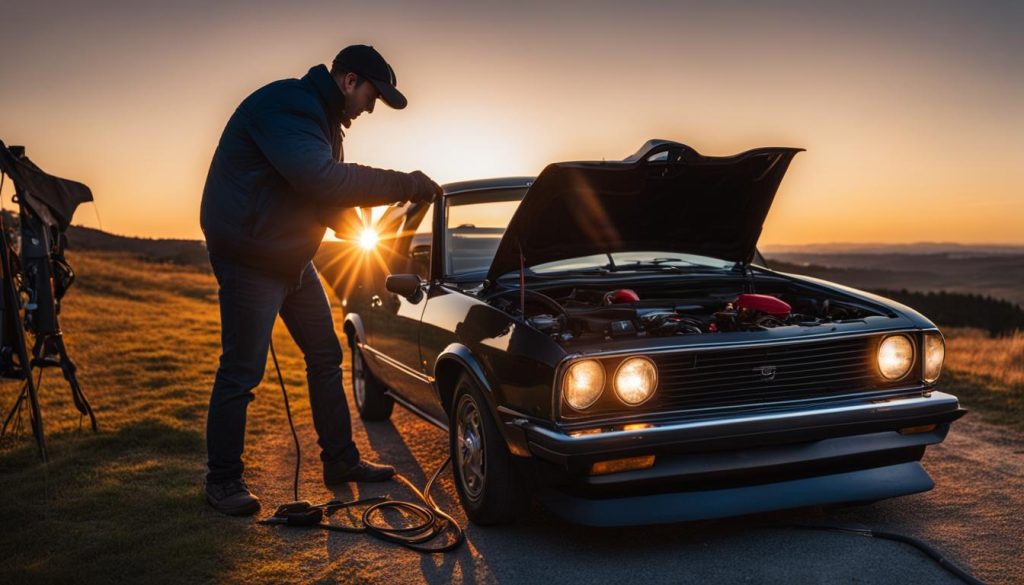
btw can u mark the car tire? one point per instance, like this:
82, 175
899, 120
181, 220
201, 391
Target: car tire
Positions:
487, 478
370, 395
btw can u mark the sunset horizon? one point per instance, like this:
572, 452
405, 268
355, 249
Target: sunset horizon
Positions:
910, 115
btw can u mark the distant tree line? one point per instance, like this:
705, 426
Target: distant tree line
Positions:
996, 316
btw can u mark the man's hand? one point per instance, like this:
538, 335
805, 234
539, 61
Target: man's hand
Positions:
424, 189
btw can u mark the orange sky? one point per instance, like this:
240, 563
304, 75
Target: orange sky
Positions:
912, 116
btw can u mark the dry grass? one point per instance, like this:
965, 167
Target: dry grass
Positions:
986, 374
125, 504
998, 360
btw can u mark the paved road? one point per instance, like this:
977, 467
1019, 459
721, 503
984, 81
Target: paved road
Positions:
972, 516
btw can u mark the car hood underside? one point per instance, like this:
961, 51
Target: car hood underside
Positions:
666, 197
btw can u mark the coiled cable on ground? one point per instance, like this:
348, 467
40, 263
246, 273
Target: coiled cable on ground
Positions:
430, 521
433, 521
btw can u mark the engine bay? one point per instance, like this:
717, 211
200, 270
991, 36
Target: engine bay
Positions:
585, 311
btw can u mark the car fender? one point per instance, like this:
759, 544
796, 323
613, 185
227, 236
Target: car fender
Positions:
465, 358
353, 327
457, 353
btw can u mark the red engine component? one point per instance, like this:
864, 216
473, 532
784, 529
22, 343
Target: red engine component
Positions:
622, 295
766, 304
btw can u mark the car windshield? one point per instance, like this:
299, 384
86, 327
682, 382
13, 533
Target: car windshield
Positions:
642, 261
475, 223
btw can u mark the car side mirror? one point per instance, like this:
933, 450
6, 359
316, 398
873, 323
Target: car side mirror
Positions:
407, 285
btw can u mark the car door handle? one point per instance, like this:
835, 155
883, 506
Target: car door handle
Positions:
376, 302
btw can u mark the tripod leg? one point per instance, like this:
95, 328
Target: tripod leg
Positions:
37, 417
69, 368
9, 298
14, 410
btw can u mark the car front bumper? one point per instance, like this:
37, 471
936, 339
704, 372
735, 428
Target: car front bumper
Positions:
743, 464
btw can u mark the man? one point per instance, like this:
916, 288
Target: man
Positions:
275, 182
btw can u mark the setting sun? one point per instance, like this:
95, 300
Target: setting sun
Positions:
368, 239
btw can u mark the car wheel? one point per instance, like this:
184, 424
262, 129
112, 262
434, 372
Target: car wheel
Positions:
370, 394
490, 488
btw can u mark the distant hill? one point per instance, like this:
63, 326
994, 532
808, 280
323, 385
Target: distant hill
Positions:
951, 248
996, 316
183, 252
996, 275
923, 268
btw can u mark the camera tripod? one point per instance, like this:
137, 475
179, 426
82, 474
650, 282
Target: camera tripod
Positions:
47, 351
33, 285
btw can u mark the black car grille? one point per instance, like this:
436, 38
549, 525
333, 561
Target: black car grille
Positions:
760, 375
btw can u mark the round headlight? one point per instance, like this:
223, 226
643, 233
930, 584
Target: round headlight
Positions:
895, 356
584, 381
635, 380
934, 354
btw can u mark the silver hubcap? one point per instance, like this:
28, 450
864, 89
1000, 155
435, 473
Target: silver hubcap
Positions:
358, 383
469, 451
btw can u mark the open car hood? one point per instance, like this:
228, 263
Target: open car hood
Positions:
667, 197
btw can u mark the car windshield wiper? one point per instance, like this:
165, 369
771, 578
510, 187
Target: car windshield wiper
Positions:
660, 265
595, 271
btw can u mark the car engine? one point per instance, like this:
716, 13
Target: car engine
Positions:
586, 312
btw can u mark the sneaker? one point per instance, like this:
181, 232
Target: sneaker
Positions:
232, 498
336, 472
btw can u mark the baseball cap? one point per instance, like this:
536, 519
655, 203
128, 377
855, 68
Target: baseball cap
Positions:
366, 62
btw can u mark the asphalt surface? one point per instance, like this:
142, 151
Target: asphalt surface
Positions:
971, 517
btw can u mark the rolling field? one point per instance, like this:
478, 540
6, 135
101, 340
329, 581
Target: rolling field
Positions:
125, 504
987, 374
976, 272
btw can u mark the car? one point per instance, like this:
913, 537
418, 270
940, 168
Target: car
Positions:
606, 339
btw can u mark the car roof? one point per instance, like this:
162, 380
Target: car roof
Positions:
486, 184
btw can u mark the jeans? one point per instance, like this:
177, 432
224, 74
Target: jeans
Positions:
250, 301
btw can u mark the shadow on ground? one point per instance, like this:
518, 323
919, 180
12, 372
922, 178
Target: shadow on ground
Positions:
110, 506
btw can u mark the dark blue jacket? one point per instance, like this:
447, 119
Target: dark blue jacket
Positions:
277, 180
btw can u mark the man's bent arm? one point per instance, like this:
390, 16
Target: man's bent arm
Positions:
293, 142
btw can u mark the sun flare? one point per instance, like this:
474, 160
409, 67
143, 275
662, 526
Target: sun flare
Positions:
368, 239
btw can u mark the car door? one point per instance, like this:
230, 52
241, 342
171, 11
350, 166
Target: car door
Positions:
370, 274
350, 269
396, 317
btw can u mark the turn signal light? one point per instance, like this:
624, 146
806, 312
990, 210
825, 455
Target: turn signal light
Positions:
599, 430
917, 429
617, 465
585, 432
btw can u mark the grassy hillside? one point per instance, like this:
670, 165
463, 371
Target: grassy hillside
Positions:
183, 252
125, 504
987, 373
